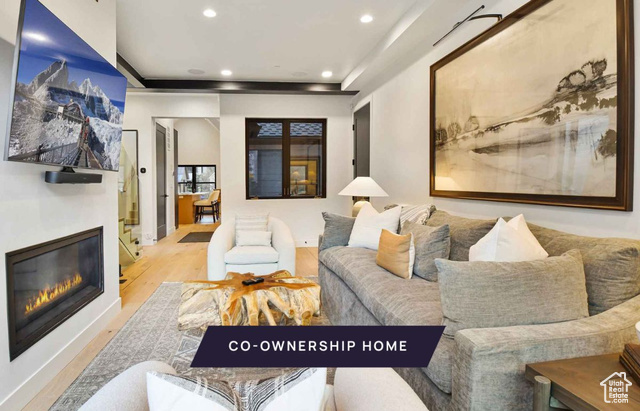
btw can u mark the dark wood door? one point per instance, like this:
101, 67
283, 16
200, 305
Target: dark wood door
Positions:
361, 141
175, 176
161, 180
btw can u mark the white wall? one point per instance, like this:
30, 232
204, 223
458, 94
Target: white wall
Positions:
141, 111
400, 151
32, 212
304, 215
199, 143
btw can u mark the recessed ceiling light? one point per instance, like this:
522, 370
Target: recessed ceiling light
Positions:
196, 71
209, 13
367, 18
226, 72
36, 36
327, 74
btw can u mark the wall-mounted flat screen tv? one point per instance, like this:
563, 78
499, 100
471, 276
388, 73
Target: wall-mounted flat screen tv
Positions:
68, 101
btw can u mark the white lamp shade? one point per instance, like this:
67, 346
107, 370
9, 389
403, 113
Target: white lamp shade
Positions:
363, 187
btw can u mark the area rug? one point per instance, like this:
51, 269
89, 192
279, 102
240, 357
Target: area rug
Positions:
197, 237
152, 334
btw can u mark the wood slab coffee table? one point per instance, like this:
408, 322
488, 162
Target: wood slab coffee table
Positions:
273, 298
576, 384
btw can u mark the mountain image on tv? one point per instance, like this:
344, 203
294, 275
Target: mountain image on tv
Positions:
69, 101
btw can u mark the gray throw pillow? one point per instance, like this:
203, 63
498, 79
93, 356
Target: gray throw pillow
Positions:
430, 243
484, 294
464, 232
611, 265
337, 230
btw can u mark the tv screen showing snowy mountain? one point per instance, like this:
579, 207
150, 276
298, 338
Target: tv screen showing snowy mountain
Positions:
69, 101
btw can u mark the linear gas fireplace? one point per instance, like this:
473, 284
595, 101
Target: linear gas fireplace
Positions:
50, 282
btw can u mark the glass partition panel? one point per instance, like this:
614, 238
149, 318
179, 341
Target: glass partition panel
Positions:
306, 151
264, 162
185, 179
196, 179
205, 179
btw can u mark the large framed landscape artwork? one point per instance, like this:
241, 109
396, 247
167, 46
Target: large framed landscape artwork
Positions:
539, 108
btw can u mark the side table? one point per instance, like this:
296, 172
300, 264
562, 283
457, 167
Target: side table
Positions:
587, 383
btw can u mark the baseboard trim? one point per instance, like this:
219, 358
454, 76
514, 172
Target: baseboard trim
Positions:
22, 395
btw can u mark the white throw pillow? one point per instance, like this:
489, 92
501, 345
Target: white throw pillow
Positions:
253, 238
369, 225
251, 222
172, 393
512, 241
301, 390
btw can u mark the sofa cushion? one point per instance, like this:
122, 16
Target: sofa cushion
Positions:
337, 230
441, 364
392, 300
430, 243
611, 265
486, 294
251, 255
464, 232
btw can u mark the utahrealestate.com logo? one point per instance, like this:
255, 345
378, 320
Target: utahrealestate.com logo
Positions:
616, 388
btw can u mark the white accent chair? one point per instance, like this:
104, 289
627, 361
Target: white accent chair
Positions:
223, 256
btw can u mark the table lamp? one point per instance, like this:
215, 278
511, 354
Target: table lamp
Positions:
362, 188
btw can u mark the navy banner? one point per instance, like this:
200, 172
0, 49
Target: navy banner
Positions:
321, 346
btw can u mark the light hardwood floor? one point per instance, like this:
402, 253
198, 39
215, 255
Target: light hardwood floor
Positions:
166, 261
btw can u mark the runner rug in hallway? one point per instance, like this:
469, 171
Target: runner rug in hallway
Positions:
197, 237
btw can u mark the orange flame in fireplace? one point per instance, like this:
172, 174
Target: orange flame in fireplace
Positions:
51, 293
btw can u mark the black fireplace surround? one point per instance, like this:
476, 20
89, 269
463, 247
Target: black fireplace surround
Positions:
49, 282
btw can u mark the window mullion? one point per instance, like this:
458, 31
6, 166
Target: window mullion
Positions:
286, 159
194, 186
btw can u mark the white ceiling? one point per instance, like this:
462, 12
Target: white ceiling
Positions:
414, 36
259, 40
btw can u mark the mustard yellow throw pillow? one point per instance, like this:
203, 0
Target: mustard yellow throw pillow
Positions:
396, 253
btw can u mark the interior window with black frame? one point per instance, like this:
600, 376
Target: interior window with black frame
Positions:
286, 158
196, 178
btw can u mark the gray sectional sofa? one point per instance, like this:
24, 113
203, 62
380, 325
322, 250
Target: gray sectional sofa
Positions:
483, 369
